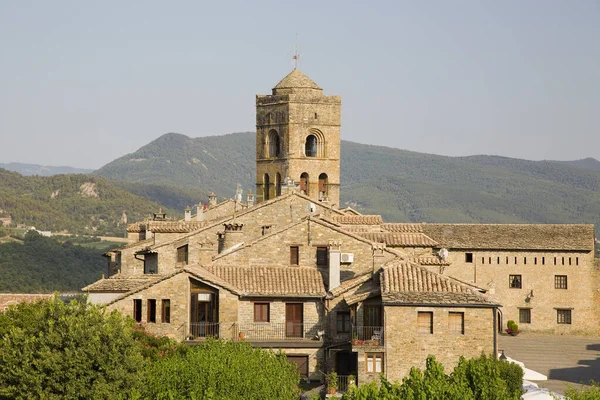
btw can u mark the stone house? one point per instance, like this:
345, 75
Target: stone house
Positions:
332, 288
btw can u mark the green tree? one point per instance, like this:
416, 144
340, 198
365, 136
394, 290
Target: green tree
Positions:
218, 369
52, 350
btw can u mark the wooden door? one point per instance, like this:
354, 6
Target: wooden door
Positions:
294, 319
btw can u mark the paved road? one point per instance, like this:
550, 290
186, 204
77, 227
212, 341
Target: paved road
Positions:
564, 359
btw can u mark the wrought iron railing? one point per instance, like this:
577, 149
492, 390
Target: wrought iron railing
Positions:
344, 381
367, 335
268, 331
204, 330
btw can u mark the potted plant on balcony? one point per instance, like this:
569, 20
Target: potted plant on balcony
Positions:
332, 382
513, 329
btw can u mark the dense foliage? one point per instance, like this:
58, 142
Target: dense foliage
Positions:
218, 369
83, 204
43, 265
483, 378
53, 350
411, 187
584, 393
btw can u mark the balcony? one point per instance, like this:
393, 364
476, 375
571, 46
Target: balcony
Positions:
284, 331
203, 330
367, 335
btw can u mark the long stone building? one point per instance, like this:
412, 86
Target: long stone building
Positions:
335, 289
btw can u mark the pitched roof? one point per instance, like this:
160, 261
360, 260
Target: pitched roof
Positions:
406, 283
358, 219
399, 239
350, 284
120, 284
296, 79
513, 236
136, 227
403, 227
175, 226
429, 260
140, 243
272, 280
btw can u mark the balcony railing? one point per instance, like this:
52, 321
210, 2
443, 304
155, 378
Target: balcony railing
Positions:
344, 382
269, 331
367, 335
200, 330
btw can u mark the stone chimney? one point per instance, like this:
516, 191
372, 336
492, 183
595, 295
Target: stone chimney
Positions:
378, 259
187, 214
212, 199
233, 235
160, 215
250, 198
199, 212
335, 256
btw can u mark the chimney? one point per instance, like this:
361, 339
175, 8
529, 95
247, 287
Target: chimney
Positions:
199, 212
188, 214
212, 199
335, 255
250, 198
233, 235
378, 259
160, 215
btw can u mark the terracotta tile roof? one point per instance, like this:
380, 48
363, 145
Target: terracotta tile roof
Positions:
365, 291
272, 280
399, 239
120, 284
9, 299
350, 284
358, 219
513, 236
429, 260
136, 227
406, 283
175, 226
140, 243
402, 227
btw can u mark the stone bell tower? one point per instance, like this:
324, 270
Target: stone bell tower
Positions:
298, 137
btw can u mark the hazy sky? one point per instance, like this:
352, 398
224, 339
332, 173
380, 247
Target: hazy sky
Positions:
82, 83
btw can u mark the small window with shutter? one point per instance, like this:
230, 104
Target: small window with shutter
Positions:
294, 255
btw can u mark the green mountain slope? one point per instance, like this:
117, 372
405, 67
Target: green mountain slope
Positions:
83, 204
214, 163
401, 185
42, 170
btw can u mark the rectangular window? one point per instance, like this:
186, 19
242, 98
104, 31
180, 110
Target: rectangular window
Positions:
182, 254
151, 264
543, 260
137, 310
525, 315
468, 257
569, 260
483, 260
514, 281
525, 260
322, 257
563, 317
515, 260
425, 322
165, 316
563, 261
343, 321
535, 260
576, 260
506, 260
560, 281
374, 363
456, 323
498, 260
261, 312
490, 259
294, 255
151, 310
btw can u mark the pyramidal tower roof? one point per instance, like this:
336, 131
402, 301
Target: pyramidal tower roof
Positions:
295, 81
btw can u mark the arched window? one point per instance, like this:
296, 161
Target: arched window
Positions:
266, 185
311, 145
278, 185
304, 184
273, 144
323, 183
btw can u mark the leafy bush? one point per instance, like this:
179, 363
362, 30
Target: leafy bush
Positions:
218, 369
53, 350
511, 325
584, 393
483, 378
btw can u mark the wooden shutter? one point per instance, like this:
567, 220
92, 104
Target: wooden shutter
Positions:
294, 255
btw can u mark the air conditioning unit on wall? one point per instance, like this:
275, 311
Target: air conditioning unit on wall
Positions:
347, 258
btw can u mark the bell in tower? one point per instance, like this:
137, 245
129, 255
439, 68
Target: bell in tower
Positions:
298, 136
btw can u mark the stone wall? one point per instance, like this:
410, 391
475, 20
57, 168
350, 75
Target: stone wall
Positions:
405, 347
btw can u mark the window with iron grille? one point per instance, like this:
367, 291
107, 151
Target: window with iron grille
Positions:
525, 315
322, 258
560, 281
563, 317
456, 323
343, 321
425, 322
515, 282
182, 254
261, 312
294, 255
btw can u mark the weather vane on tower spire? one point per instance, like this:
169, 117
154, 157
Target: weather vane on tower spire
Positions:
296, 56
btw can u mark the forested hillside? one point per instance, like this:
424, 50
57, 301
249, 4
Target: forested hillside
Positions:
401, 185
43, 265
83, 204
42, 170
